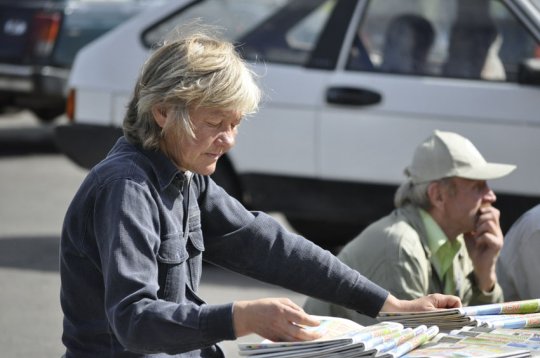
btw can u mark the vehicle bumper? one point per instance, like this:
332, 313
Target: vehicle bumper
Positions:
33, 86
86, 144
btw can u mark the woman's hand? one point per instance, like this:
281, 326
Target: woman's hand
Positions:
426, 303
277, 319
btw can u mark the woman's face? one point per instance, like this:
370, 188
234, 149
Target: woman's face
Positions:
215, 132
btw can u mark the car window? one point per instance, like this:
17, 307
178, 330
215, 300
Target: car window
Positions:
267, 30
36, 1
233, 17
478, 39
290, 35
86, 20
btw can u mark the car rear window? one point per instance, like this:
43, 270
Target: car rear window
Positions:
89, 19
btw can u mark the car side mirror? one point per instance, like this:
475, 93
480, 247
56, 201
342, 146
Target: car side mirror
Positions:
529, 72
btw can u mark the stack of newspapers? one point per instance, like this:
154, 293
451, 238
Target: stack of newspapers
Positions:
510, 329
517, 314
482, 342
344, 338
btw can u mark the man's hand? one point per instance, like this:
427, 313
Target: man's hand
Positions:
277, 319
484, 245
426, 303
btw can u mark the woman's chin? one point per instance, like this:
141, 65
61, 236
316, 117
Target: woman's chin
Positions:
207, 170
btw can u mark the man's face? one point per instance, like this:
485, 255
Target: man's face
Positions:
463, 202
215, 132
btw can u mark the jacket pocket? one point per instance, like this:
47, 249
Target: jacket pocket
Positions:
195, 250
173, 268
172, 249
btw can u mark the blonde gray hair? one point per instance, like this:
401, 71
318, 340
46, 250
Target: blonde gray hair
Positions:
194, 70
417, 194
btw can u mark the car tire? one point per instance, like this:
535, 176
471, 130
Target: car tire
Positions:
328, 235
47, 115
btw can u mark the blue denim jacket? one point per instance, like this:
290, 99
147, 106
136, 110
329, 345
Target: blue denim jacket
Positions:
131, 257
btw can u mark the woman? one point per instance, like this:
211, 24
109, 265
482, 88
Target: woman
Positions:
135, 233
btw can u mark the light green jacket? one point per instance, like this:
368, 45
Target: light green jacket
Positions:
394, 253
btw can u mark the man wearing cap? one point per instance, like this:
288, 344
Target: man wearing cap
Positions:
444, 235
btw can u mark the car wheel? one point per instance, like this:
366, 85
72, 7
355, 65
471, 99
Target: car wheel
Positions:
47, 115
329, 235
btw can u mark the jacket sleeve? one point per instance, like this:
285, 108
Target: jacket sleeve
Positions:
392, 257
256, 245
471, 294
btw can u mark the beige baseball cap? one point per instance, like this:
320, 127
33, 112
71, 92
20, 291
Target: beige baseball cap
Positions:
447, 154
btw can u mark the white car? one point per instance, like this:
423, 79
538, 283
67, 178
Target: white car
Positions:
352, 86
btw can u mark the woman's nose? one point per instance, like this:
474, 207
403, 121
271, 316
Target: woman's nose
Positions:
227, 138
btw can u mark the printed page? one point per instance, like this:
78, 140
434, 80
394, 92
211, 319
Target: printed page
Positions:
411, 344
331, 329
336, 333
525, 306
464, 350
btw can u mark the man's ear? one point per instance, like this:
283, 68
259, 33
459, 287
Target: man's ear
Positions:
435, 194
159, 111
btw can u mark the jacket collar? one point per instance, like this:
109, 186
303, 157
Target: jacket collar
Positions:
412, 214
163, 168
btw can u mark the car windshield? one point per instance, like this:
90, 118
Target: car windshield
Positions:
281, 31
235, 17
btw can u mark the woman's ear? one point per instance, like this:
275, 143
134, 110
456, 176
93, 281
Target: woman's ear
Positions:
159, 111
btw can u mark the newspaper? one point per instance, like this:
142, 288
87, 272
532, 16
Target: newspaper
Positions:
516, 314
412, 344
343, 338
514, 307
528, 338
482, 342
466, 350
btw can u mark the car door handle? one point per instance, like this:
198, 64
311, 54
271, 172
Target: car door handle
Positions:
352, 96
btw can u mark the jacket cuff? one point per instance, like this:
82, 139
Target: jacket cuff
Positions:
371, 299
482, 297
217, 322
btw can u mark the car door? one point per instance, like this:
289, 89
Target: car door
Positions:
426, 65
282, 138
